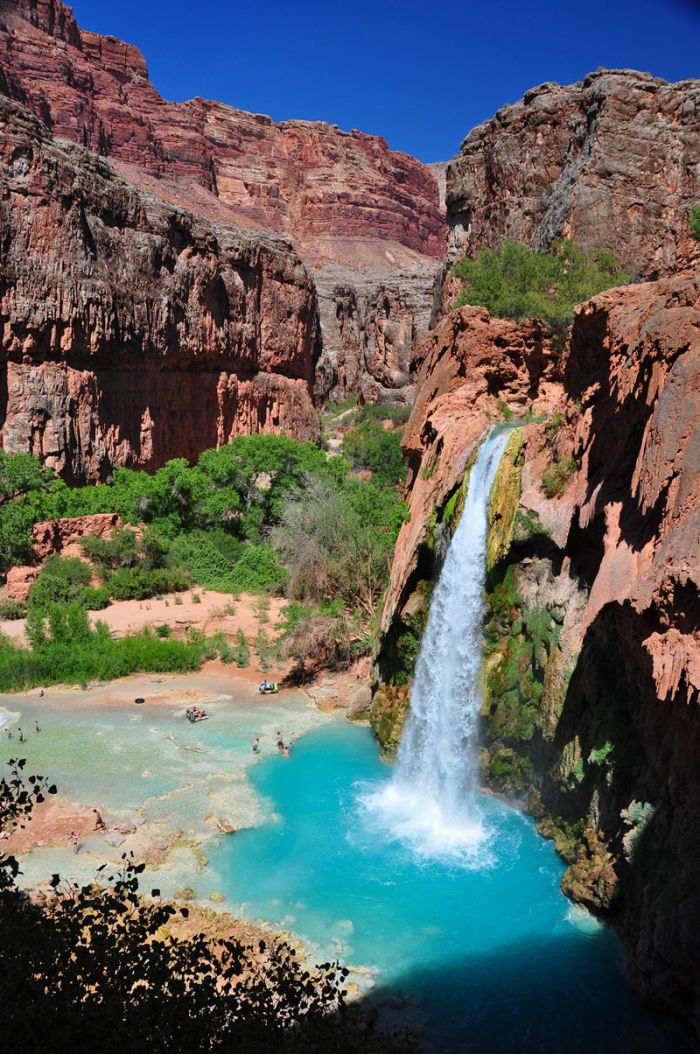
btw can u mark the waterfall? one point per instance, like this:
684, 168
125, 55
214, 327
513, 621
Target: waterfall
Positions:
430, 802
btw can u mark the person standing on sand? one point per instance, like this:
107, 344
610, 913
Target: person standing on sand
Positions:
99, 822
73, 839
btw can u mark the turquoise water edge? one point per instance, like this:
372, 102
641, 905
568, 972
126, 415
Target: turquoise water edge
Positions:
486, 958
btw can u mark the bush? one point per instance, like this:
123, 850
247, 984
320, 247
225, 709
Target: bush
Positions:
516, 282
136, 583
62, 580
12, 609
164, 631
257, 571
371, 446
559, 473
65, 650
201, 558
96, 599
694, 222
241, 651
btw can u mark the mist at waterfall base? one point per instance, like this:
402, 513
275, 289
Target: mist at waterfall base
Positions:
447, 898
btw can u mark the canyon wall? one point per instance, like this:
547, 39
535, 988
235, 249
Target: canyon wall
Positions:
611, 161
592, 670
356, 211
133, 331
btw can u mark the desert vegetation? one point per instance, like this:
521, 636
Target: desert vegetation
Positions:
265, 515
516, 282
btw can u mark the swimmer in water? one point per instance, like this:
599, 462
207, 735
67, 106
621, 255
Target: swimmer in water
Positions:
256, 745
37, 727
20, 735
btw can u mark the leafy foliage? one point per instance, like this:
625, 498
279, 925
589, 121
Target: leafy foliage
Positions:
371, 446
516, 282
694, 222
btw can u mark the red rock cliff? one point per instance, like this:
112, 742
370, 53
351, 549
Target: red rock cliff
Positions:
133, 331
349, 203
598, 522
611, 161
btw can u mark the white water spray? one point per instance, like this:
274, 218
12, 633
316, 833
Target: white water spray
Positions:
430, 802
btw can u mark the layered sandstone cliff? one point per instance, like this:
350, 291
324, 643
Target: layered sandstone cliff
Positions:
592, 674
356, 211
611, 161
133, 331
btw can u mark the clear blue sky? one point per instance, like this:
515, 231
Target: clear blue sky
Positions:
421, 73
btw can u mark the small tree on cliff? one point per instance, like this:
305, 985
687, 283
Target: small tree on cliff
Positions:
695, 222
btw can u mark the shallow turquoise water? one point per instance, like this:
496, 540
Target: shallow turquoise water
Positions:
491, 959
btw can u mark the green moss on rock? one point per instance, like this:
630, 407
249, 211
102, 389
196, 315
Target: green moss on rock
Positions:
503, 501
389, 709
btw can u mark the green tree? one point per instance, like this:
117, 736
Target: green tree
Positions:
373, 447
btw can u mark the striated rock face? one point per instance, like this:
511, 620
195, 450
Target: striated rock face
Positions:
133, 331
611, 161
348, 202
370, 327
592, 676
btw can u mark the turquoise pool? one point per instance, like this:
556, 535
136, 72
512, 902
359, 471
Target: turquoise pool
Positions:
490, 958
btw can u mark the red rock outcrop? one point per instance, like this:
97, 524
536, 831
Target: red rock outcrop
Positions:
610, 161
51, 537
349, 202
134, 331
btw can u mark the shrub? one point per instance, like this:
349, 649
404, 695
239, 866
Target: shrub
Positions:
61, 581
556, 477
12, 609
514, 281
137, 583
164, 630
694, 222
257, 571
95, 599
241, 651
201, 558
371, 446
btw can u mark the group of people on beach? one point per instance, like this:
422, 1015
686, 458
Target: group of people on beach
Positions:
193, 713
283, 748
